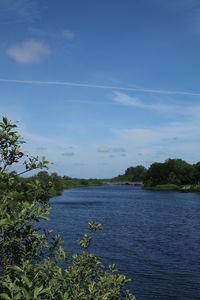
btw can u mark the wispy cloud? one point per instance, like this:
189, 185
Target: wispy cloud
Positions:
106, 149
41, 148
63, 33
18, 11
177, 139
125, 99
188, 109
88, 85
187, 132
68, 153
68, 34
30, 51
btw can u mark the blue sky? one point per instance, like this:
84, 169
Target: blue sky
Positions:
98, 86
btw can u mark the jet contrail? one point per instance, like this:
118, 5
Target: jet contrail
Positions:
87, 85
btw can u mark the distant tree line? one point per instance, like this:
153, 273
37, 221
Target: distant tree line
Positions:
173, 171
49, 185
132, 174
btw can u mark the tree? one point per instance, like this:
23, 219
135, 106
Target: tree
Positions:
183, 171
135, 173
197, 172
172, 171
132, 174
156, 174
30, 259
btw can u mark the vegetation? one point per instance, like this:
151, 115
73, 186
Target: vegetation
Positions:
173, 174
31, 259
51, 185
165, 187
54, 184
132, 174
77, 182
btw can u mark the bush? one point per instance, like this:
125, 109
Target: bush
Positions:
30, 260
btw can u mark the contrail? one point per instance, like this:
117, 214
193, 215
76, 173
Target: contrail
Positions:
87, 85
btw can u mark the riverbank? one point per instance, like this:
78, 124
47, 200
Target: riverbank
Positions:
162, 187
174, 187
71, 183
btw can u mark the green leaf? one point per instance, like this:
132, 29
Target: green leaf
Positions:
5, 296
3, 222
66, 296
5, 120
16, 268
27, 281
37, 291
44, 218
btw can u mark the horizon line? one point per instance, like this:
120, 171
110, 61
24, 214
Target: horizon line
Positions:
88, 85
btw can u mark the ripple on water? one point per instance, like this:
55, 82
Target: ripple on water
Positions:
152, 237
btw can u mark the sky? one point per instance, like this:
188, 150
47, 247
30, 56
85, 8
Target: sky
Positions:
99, 86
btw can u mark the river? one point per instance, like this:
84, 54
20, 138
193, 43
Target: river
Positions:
152, 237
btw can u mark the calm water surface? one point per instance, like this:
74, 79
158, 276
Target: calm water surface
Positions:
152, 237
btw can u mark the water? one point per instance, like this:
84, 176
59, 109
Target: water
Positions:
152, 237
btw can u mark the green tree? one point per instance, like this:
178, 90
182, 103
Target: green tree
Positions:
184, 172
135, 173
197, 172
156, 174
172, 179
29, 258
132, 174
172, 171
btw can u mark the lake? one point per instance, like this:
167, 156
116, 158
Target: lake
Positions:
152, 237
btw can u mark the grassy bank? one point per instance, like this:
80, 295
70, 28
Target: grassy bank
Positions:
75, 182
174, 187
53, 184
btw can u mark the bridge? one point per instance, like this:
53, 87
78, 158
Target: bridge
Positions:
136, 183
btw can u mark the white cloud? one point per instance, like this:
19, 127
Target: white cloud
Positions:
30, 51
125, 99
179, 139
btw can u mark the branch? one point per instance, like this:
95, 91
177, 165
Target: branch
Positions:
25, 171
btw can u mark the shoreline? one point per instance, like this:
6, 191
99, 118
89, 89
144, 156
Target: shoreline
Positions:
172, 187
163, 187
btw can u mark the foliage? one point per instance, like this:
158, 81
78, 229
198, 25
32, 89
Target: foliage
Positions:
77, 182
173, 171
134, 174
165, 187
173, 174
33, 264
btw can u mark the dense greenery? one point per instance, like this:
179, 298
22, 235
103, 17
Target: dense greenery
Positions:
174, 172
50, 185
77, 182
132, 174
54, 184
31, 259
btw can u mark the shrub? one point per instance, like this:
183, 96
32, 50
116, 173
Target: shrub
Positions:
30, 260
